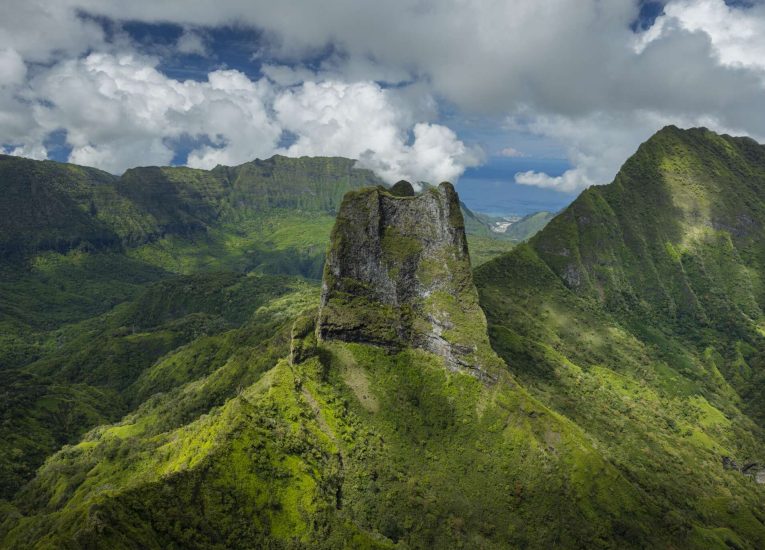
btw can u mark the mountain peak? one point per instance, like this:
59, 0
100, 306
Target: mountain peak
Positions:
402, 189
398, 275
646, 241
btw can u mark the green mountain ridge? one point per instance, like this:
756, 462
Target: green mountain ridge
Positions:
519, 230
348, 444
60, 207
81, 249
54, 206
79, 245
529, 225
625, 413
637, 313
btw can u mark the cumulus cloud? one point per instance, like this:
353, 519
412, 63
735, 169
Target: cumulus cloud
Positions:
33, 151
713, 55
192, 42
42, 31
575, 68
595, 163
363, 121
15, 117
737, 35
13, 71
120, 111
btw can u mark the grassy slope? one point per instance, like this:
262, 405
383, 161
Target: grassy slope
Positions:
77, 245
486, 244
528, 226
353, 448
635, 393
481, 225
65, 229
49, 206
273, 215
95, 370
483, 249
82, 254
635, 314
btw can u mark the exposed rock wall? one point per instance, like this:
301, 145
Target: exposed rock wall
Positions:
398, 274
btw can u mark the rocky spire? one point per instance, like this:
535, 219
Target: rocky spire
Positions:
398, 275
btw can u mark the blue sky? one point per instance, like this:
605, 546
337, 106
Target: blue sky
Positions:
524, 103
489, 187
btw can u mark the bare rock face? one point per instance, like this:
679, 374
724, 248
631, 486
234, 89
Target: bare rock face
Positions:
398, 275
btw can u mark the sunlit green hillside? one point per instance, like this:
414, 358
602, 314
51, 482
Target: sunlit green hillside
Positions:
163, 384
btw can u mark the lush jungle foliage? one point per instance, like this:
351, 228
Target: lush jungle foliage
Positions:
638, 314
149, 399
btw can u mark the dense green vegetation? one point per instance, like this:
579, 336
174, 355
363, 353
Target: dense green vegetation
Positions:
358, 449
528, 226
483, 225
484, 248
637, 314
398, 275
92, 371
163, 386
115, 289
103, 276
485, 243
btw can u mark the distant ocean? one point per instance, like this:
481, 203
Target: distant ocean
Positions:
491, 189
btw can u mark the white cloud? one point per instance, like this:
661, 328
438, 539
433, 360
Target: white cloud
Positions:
13, 71
737, 36
119, 111
594, 163
437, 155
512, 152
731, 42
35, 151
41, 31
15, 117
285, 75
192, 42
363, 121
568, 63
584, 137
235, 112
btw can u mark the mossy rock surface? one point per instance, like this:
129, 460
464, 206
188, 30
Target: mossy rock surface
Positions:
402, 189
398, 274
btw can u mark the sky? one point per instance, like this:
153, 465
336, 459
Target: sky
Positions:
522, 103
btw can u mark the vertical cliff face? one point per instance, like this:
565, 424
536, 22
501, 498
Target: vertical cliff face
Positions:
398, 274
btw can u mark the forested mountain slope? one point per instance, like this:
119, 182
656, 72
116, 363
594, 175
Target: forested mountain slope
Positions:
637, 314
388, 421
103, 276
619, 405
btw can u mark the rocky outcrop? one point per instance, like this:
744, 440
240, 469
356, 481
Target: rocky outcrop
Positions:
303, 338
752, 470
398, 275
402, 189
